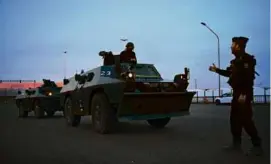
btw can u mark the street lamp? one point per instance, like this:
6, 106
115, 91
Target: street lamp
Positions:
196, 84
124, 40
218, 54
65, 62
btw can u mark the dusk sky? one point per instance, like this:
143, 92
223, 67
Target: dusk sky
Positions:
167, 33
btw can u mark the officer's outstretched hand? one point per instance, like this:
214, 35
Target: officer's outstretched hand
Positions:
242, 98
213, 68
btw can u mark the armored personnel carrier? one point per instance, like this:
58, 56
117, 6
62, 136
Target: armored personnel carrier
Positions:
44, 99
117, 91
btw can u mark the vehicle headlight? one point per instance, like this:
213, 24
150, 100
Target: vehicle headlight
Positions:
130, 75
50, 94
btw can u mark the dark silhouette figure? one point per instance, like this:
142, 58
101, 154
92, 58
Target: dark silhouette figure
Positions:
128, 55
241, 73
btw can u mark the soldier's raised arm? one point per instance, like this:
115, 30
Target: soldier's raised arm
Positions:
221, 72
226, 72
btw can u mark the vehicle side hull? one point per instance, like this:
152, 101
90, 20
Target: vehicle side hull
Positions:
113, 92
46, 103
132, 106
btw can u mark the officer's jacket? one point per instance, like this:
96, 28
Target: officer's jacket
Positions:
241, 73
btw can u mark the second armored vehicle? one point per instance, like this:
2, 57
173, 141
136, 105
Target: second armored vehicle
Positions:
41, 100
117, 91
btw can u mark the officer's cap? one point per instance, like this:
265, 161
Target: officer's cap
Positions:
130, 44
240, 40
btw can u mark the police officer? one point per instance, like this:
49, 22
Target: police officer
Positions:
241, 73
128, 55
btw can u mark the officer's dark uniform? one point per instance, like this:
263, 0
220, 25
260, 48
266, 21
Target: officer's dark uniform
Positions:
128, 55
241, 75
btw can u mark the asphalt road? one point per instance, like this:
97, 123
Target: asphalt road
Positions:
194, 139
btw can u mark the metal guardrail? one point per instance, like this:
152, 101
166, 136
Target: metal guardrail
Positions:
258, 99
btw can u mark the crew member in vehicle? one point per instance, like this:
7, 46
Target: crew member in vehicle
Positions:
241, 73
128, 55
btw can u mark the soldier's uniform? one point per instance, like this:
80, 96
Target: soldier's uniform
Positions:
128, 56
241, 73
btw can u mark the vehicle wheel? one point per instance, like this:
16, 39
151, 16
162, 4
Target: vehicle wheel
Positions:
71, 119
39, 112
217, 102
50, 113
159, 123
21, 111
103, 116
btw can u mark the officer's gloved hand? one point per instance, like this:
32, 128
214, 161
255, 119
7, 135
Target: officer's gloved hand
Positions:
242, 98
213, 68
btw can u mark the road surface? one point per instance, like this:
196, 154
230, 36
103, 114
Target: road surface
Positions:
194, 139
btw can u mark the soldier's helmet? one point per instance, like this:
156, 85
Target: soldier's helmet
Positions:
242, 41
130, 45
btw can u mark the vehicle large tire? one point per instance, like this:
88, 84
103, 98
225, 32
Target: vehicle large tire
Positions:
39, 112
159, 123
50, 113
104, 118
71, 119
217, 102
21, 110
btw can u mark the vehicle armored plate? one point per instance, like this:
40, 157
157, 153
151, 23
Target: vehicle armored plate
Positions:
41, 100
116, 91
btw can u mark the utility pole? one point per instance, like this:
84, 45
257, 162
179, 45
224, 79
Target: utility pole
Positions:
196, 89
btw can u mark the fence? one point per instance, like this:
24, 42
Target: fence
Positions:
258, 99
261, 95
10, 89
7, 92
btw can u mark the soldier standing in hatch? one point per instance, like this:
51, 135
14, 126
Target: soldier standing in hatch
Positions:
128, 55
241, 75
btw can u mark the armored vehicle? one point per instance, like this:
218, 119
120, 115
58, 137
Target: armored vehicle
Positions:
117, 91
45, 98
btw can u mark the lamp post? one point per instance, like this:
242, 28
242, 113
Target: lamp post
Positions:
218, 54
196, 86
64, 53
196, 89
